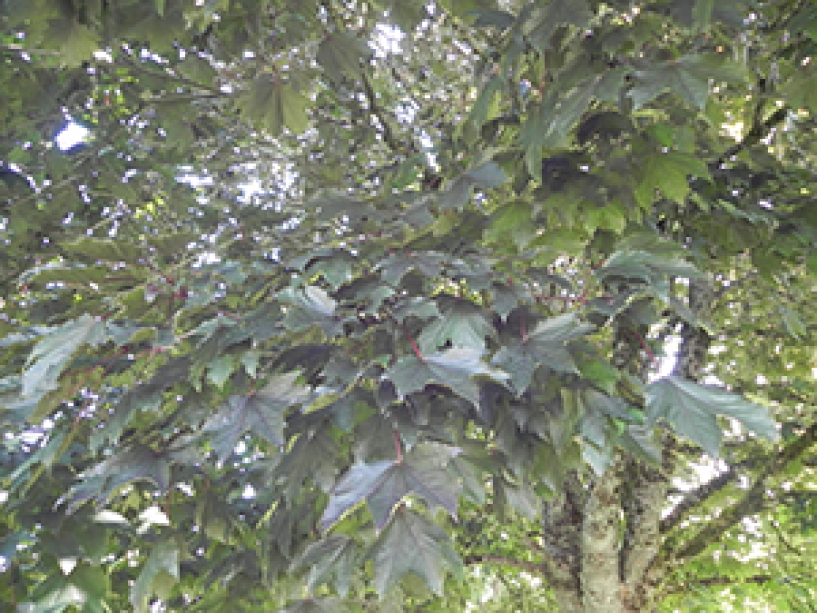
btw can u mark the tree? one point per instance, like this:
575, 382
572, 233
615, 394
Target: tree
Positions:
339, 297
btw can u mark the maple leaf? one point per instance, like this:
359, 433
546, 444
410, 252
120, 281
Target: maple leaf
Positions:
52, 352
546, 345
453, 368
136, 463
463, 324
384, 484
669, 172
261, 411
692, 408
459, 191
544, 20
158, 574
334, 556
412, 543
688, 76
310, 306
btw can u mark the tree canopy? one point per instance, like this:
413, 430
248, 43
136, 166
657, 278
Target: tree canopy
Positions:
378, 305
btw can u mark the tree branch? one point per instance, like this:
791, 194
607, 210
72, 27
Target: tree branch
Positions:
697, 497
758, 132
752, 501
131, 62
686, 586
21, 49
703, 492
379, 112
531, 567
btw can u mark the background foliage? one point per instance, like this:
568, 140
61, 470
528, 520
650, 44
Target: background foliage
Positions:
340, 304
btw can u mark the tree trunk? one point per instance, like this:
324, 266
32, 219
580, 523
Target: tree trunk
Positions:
602, 535
562, 525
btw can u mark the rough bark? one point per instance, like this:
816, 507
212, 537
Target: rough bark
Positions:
603, 537
644, 495
648, 565
583, 525
695, 339
562, 519
600, 546
643, 490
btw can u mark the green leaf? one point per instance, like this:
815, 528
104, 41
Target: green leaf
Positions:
793, 323
453, 368
263, 103
340, 55
466, 8
422, 308
597, 457
142, 397
602, 374
45, 456
668, 172
329, 204
804, 20
310, 306
261, 412
649, 268
691, 409
315, 605
293, 108
406, 14
413, 544
352, 489
492, 17
688, 76
336, 268
393, 268
640, 441
384, 485
543, 21
197, 68
240, 211
93, 582
470, 476
51, 354
702, 14
462, 324
604, 404
484, 106
80, 275
488, 174
550, 121
105, 249
333, 557
57, 600
545, 345
505, 298
309, 458
458, 193
220, 369
519, 496
158, 575
135, 463
514, 220
214, 517
800, 92
75, 41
